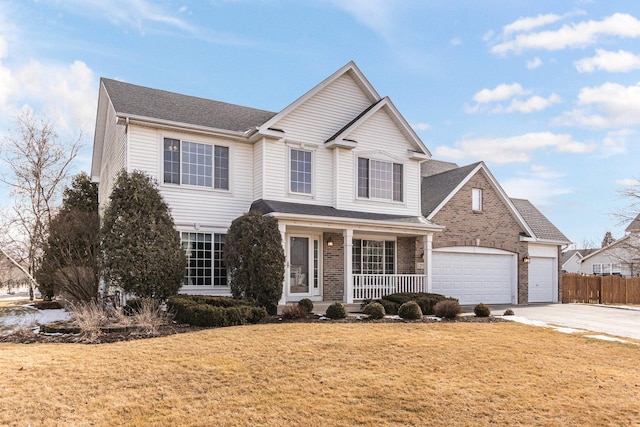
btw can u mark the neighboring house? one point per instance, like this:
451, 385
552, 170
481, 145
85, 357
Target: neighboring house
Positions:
12, 279
341, 171
572, 260
622, 257
494, 249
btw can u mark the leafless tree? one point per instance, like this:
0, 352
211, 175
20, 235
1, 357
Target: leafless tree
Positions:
36, 167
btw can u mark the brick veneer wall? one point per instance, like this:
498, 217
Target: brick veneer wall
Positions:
333, 267
494, 227
406, 255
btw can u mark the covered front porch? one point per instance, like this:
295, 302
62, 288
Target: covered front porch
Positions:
352, 256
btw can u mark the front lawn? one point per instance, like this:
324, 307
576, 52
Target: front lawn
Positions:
334, 374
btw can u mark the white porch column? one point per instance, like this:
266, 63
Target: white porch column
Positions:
348, 265
428, 252
283, 234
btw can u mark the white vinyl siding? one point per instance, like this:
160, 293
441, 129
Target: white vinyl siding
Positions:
113, 156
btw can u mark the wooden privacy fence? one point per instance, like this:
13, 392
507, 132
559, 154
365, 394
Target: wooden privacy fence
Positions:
600, 289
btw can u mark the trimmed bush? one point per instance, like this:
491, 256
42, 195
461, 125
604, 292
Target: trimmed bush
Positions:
448, 309
508, 312
374, 310
482, 310
307, 304
426, 301
201, 310
410, 310
294, 312
336, 311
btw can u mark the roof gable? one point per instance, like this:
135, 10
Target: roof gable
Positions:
350, 69
438, 189
385, 104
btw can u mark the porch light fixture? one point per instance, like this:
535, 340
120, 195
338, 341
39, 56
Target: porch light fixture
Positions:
330, 242
526, 259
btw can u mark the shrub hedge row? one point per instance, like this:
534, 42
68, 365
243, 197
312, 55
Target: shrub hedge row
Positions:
203, 310
391, 303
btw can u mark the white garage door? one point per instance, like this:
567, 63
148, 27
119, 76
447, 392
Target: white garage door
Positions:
541, 286
473, 278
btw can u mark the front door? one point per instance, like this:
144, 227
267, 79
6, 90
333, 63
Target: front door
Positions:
304, 268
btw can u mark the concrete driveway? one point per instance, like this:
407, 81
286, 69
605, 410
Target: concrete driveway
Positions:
609, 320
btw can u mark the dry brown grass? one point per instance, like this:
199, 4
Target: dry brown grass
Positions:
327, 375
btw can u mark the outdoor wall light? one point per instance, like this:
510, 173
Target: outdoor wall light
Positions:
330, 242
526, 259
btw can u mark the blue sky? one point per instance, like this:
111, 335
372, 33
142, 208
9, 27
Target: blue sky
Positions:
546, 92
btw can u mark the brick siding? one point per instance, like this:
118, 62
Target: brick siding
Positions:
494, 227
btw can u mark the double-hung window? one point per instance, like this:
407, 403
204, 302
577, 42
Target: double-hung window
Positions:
300, 170
205, 263
374, 256
192, 163
378, 179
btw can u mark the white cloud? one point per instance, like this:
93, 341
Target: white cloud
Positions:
535, 103
577, 35
456, 41
513, 92
421, 126
534, 63
375, 14
65, 93
528, 24
615, 142
628, 182
613, 62
539, 185
499, 93
515, 149
615, 105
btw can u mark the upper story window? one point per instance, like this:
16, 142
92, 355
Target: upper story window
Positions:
300, 171
192, 163
379, 179
476, 199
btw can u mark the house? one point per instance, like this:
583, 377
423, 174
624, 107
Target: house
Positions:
362, 209
622, 257
339, 168
12, 279
572, 260
494, 249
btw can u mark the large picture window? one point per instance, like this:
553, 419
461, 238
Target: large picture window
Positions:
374, 256
300, 170
205, 263
379, 180
192, 163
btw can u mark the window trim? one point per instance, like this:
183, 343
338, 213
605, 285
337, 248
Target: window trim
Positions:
384, 261
214, 147
301, 148
215, 263
477, 200
394, 166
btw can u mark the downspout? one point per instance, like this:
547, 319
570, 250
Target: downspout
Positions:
126, 144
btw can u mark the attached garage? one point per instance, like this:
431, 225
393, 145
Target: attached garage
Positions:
541, 280
474, 274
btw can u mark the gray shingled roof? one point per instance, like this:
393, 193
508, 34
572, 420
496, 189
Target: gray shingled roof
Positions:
537, 222
433, 167
269, 206
436, 188
129, 99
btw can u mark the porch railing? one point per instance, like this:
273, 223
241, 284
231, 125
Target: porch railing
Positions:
374, 286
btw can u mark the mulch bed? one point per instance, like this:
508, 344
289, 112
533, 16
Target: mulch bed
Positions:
117, 334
